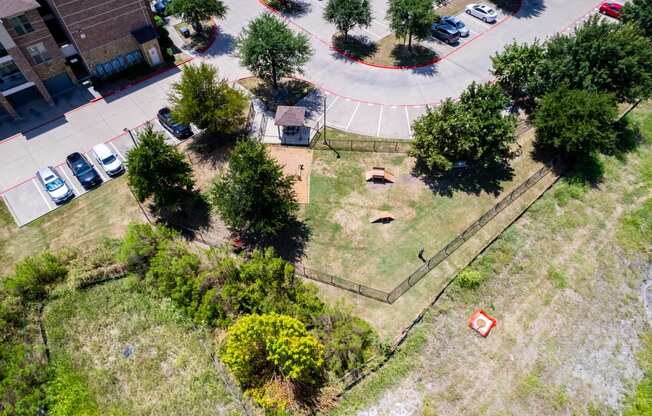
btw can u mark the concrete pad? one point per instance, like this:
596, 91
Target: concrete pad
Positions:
28, 202
395, 123
339, 114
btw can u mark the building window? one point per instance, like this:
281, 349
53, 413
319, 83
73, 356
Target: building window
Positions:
21, 25
38, 53
10, 76
118, 64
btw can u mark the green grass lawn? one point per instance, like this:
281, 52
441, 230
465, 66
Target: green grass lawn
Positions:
564, 283
104, 212
169, 371
343, 241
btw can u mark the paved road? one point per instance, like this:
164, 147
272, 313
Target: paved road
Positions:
360, 98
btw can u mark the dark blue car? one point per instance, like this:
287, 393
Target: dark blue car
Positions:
83, 171
178, 130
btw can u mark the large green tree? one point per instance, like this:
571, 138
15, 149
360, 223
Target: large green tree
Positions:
600, 56
158, 170
194, 12
516, 70
411, 19
639, 12
576, 123
254, 197
474, 130
271, 50
211, 104
347, 14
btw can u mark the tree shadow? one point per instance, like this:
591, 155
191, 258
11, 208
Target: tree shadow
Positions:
191, 214
419, 55
290, 8
628, 138
291, 243
471, 179
213, 148
530, 9
224, 44
359, 47
289, 92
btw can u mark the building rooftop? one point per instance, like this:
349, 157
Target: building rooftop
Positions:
144, 34
290, 116
13, 7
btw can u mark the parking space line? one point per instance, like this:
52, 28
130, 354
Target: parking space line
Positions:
353, 115
40, 192
11, 211
120, 155
407, 118
72, 183
380, 120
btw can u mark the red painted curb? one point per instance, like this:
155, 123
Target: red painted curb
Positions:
392, 67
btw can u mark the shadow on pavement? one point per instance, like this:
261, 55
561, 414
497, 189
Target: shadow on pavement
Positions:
530, 9
224, 44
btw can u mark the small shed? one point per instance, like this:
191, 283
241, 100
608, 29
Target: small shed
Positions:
378, 174
290, 119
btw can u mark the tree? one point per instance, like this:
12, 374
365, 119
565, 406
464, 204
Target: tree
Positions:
194, 12
411, 18
576, 123
201, 99
473, 130
516, 70
347, 14
158, 170
639, 12
261, 346
271, 50
600, 56
253, 196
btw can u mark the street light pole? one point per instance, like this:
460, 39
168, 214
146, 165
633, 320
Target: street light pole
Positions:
133, 139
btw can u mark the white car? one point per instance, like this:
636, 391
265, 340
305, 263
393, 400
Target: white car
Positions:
107, 159
54, 185
482, 12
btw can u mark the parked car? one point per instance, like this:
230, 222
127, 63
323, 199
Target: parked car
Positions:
108, 160
482, 12
611, 9
178, 130
457, 23
159, 6
446, 33
54, 185
83, 170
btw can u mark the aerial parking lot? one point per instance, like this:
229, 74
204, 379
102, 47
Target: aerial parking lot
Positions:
28, 200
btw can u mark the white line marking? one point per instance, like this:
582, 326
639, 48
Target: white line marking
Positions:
69, 181
11, 211
40, 192
117, 151
407, 118
352, 115
380, 120
99, 169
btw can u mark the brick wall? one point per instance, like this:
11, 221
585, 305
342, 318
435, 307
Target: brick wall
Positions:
94, 23
109, 51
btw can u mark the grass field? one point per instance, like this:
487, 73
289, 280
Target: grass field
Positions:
342, 204
104, 212
169, 371
564, 283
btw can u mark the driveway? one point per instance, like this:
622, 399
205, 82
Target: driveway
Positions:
359, 98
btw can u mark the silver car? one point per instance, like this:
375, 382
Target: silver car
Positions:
482, 12
457, 23
54, 185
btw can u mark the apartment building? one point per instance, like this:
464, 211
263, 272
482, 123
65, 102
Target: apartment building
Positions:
47, 46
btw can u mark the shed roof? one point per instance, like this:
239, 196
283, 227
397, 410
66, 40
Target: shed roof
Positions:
144, 34
290, 116
13, 7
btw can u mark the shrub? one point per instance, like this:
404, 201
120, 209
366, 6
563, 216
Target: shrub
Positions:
22, 376
469, 279
261, 346
68, 393
140, 245
34, 275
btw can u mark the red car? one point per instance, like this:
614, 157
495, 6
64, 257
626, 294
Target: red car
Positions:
611, 9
